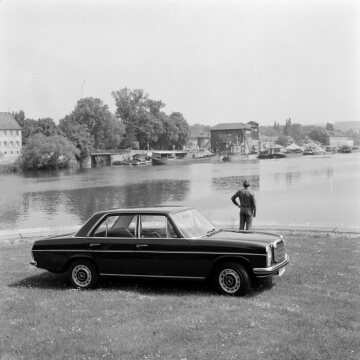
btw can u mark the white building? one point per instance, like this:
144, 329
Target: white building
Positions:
10, 138
337, 139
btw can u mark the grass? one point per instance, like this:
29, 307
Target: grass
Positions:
311, 312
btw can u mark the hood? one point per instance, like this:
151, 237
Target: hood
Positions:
250, 237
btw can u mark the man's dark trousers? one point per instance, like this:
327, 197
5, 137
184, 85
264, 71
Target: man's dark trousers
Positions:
245, 221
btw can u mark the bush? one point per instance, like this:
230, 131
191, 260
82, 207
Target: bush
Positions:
46, 152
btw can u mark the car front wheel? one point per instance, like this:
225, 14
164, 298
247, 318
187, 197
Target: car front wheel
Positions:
232, 279
83, 274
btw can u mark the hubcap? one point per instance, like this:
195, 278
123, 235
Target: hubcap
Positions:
81, 275
229, 281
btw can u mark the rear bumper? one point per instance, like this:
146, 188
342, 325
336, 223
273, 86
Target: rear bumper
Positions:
271, 270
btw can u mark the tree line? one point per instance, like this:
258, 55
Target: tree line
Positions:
302, 133
138, 123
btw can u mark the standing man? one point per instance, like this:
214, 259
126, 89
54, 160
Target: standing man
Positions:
247, 206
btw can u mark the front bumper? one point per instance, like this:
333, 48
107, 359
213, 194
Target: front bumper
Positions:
271, 270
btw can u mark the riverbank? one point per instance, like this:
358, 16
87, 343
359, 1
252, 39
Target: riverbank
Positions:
311, 312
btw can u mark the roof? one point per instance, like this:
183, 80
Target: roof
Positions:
294, 146
336, 134
149, 210
8, 122
232, 126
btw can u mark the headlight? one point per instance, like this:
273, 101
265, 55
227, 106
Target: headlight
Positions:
268, 255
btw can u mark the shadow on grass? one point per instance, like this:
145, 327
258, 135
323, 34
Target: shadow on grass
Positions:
51, 281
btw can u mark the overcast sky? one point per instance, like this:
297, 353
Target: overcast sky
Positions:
214, 61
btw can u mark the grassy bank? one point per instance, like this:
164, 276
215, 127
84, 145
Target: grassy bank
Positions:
312, 312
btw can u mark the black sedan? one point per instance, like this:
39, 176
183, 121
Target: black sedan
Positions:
162, 242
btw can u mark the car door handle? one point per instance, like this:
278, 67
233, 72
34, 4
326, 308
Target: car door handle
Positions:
141, 245
94, 244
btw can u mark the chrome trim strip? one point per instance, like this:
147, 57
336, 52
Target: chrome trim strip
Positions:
270, 269
154, 276
33, 262
152, 252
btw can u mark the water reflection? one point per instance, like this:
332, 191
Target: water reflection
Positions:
234, 183
79, 204
291, 177
288, 191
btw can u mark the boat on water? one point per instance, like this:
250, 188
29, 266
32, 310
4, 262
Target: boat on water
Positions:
135, 160
344, 149
313, 149
239, 157
271, 155
293, 150
177, 157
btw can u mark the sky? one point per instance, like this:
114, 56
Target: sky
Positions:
213, 61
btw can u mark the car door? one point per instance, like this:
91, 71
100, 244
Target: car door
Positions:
160, 251
112, 244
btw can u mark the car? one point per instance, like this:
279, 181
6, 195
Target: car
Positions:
167, 242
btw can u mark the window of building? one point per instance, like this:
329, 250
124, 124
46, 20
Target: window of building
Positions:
17, 132
17, 144
11, 143
11, 132
5, 132
5, 143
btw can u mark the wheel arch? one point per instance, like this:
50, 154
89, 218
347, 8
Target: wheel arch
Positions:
237, 259
77, 257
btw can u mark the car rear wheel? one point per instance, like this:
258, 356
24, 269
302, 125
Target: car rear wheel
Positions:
83, 274
232, 278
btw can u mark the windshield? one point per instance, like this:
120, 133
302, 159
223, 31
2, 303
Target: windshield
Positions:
192, 224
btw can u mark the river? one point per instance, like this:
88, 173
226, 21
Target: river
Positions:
311, 191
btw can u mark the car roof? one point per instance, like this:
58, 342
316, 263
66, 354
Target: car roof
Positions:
148, 210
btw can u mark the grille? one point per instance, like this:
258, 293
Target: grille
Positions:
279, 251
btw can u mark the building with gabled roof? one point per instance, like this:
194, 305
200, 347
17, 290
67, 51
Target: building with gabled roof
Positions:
10, 138
233, 137
338, 139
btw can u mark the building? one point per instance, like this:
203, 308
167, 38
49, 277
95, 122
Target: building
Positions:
10, 138
337, 139
198, 141
235, 138
255, 136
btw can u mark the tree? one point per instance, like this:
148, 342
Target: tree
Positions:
169, 135
146, 123
80, 136
136, 111
198, 129
48, 127
19, 117
182, 127
287, 127
29, 128
43, 151
92, 116
319, 134
282, 140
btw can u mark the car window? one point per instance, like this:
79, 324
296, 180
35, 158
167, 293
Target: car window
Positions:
156, 226
117, 226
191, 223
